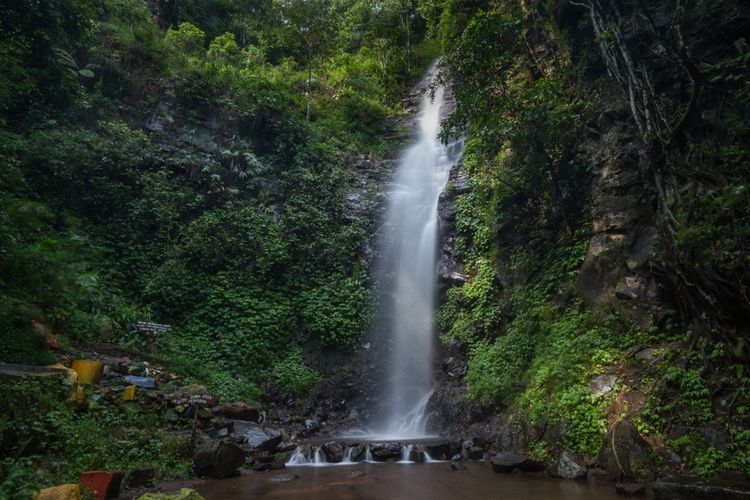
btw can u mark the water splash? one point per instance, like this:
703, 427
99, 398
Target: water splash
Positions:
314, 456
406, 454
298, 458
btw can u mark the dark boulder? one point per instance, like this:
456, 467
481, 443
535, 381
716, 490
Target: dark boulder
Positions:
241, 411
218, 460
634, 457
334, 452
358, 452
264, 466
385, 451
680, 488
256, 435
631, 489
439, 451
509, 462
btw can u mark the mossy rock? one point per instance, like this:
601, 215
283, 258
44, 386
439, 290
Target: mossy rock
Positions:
634, 454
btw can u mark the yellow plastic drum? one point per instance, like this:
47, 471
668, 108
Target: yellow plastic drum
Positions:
129, 393
89, 371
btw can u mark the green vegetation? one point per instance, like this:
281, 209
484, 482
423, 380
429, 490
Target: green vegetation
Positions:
528, 82
192, 169
187, 163
38, 423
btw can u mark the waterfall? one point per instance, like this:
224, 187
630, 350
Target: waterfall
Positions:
408, 274
406, 453
429, 460
297, 458
319, 457
407, 279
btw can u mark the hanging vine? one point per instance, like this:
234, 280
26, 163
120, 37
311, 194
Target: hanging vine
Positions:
636, 40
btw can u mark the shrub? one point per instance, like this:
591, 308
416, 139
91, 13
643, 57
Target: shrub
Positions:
293, 375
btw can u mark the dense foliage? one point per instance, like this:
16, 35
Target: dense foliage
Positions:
529, 82
187, 163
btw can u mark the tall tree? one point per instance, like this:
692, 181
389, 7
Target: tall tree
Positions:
308, 24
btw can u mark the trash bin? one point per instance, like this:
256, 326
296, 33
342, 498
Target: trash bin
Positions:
104, 484
89, 371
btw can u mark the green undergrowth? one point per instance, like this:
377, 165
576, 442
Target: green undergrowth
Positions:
548, 349
700, 414
44, 441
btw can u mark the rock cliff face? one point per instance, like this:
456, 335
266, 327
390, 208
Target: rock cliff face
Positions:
625, 215
622, 218
616, 271
450, 267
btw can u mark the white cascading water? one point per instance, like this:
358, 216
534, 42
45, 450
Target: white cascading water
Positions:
406, 453
408, 273
409, 268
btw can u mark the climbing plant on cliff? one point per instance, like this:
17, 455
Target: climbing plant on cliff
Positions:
530, 79
695, 136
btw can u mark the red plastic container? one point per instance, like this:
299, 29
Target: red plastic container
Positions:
104, 484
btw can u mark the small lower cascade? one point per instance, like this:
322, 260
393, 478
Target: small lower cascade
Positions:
348, 456
297, 458
406, 454
319, 458
316, 458
429, 460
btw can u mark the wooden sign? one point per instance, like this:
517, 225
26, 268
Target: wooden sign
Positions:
147, 326
198, 400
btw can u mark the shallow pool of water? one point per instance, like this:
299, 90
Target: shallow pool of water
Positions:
392, 482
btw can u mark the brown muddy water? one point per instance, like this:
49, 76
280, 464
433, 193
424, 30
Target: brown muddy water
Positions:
395, 482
